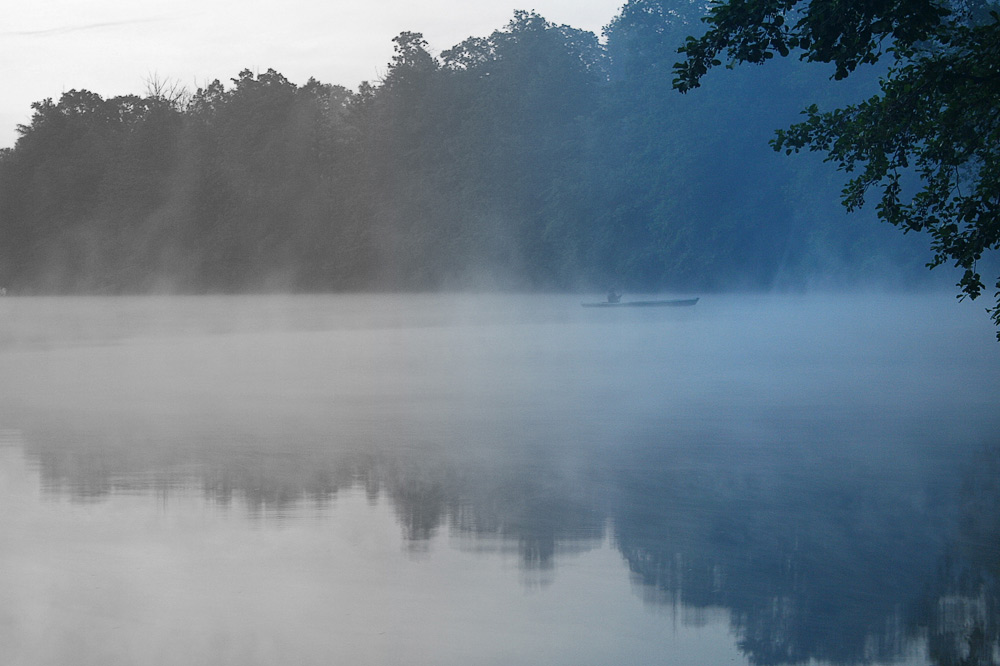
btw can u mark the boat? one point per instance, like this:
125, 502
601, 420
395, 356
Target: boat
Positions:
641, 304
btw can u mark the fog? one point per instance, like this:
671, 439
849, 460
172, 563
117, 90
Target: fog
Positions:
478, 357
294, 373
402, 477
537, 157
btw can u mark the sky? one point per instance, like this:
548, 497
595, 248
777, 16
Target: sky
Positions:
114, 47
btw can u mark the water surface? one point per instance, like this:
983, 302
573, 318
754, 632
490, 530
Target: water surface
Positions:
454, 479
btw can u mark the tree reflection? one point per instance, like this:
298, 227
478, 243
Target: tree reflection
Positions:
421, 507
528, 508
842, 561
543, 514
962, 612
812, 565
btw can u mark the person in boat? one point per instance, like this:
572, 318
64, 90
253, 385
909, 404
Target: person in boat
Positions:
614, 296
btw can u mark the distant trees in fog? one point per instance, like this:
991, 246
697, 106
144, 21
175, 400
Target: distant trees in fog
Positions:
535, 157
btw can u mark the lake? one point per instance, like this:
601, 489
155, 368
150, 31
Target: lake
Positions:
504, 479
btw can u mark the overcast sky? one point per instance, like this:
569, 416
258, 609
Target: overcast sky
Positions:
112, 47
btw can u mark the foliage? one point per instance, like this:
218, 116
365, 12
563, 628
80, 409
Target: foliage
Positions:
535, 157
935, 120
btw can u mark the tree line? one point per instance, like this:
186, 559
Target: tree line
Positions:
538, 157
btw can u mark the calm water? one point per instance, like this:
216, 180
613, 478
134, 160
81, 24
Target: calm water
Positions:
504, 480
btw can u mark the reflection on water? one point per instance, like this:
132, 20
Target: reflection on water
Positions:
271, 480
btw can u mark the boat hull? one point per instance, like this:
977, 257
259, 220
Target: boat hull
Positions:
643, 304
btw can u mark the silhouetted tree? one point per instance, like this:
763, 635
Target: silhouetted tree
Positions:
936, 115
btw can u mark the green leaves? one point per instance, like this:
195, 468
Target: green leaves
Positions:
935, 122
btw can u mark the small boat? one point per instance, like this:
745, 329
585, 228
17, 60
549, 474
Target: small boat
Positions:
641, 304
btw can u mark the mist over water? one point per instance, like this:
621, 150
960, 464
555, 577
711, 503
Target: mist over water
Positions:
456, 479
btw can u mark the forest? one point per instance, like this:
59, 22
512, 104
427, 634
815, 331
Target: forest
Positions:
539, 157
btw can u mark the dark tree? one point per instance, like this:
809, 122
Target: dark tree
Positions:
929, 142
524, 95
533, 157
